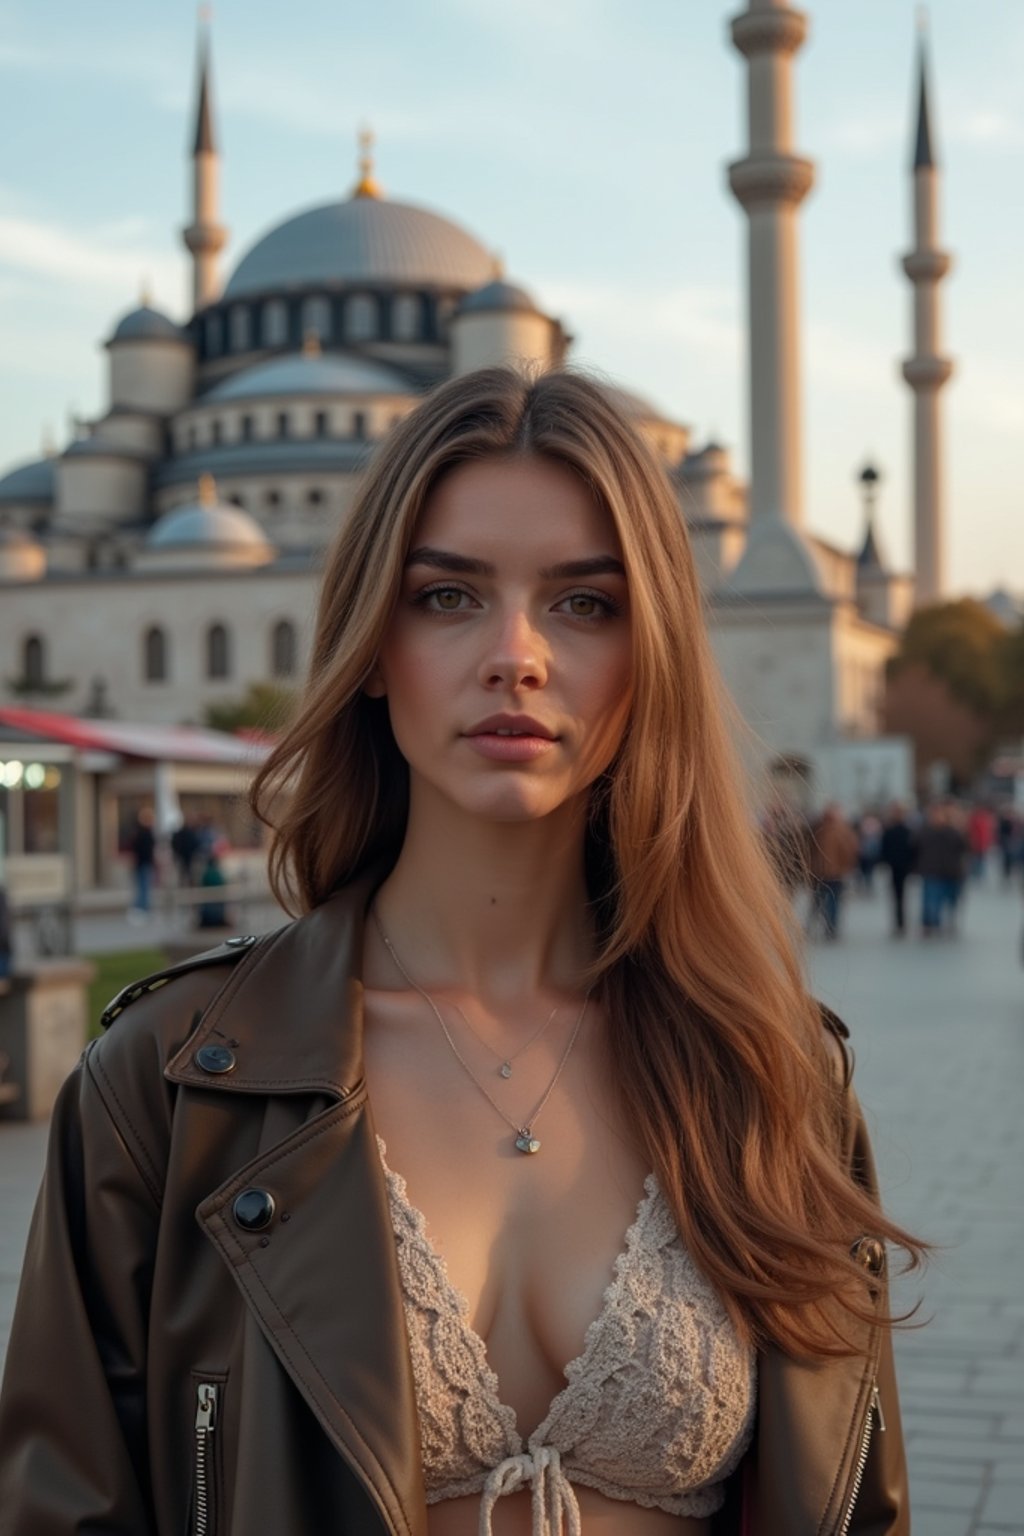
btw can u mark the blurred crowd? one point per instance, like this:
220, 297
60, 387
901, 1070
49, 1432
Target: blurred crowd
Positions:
197, 849
925, 858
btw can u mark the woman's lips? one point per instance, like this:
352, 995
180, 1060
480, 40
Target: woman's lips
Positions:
509, 749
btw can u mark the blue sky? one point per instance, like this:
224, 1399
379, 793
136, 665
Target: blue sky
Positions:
585, 141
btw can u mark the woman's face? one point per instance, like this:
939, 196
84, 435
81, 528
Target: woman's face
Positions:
506, 664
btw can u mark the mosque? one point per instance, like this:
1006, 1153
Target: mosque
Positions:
167, 557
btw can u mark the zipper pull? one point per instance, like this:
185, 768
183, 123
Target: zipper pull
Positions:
206, 1411
876, 1403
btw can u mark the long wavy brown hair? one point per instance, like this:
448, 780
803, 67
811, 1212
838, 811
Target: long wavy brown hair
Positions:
725, 1068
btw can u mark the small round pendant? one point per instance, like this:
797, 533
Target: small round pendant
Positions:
505, 1069
527, 1143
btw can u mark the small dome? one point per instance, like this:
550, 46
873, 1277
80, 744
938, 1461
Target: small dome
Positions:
21, 557
147, 324
29, 482
366, 239
498, 295
305, 374
100, 448
205, 533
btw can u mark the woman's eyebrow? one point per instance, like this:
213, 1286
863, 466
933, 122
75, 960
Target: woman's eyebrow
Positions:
467, 565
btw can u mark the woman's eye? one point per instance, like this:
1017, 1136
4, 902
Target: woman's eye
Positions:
590, 605
442, 599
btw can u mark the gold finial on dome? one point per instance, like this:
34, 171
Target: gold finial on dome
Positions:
310, 344
367, 185
497, 266
145, 293
207, 490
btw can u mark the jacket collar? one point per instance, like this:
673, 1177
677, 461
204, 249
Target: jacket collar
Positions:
295, 1004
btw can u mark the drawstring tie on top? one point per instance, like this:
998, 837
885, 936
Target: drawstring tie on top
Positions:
552, 1495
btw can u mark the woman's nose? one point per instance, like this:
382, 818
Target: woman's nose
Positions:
516, 656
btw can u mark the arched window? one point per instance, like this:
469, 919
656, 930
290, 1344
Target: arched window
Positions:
241, 328
214, 335
275, 323
358, 425
405, 317
361, 317
155, 655
316, 317
282, 424
218, 657
34, 661
247, 429
282, 649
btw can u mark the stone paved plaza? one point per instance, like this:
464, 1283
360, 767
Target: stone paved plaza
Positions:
939, 1036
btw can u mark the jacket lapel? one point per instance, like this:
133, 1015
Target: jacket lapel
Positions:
325, 1263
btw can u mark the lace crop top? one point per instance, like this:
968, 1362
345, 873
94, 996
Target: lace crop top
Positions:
657, 1409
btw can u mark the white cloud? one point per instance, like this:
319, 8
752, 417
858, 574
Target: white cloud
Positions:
110, 261
701, 316
988, 127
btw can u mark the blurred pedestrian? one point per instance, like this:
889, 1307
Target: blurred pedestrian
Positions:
898, 847
6, 944
142, 848
869, 849
941, 862
981, 834
185, 848
213, 914
1008, 836
833, 857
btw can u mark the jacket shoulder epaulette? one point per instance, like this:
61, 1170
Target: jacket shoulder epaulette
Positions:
231, 949
840, 1035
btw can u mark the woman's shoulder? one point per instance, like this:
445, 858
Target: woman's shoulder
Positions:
146, 1024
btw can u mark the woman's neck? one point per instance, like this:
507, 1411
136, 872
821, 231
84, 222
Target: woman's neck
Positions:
495, 909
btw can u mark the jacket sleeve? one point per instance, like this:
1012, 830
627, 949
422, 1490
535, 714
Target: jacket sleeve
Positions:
883, 1503
73, 1449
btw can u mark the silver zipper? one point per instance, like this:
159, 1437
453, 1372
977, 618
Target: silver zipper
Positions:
206, 1423
874, 1411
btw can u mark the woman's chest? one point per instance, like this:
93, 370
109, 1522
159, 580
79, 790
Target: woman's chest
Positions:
530, 1241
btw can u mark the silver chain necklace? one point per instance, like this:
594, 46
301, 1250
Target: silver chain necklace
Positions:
525, 1139
505, 1070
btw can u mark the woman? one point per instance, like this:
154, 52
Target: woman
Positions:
326, 1214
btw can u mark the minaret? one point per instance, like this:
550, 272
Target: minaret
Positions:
927, 370
204, 237
770, 184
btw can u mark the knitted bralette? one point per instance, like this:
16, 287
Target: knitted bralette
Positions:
657, 1409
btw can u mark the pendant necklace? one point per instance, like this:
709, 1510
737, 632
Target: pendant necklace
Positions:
525, 1140
505, 1070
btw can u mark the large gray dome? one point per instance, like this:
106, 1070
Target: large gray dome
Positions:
362, 240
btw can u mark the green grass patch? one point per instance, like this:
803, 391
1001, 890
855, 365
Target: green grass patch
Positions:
114, 972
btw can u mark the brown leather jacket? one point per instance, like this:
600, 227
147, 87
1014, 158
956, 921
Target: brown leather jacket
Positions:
209, 1334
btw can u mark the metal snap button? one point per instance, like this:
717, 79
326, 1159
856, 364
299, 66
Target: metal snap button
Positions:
253, 1209
869, 1252
215, 1058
